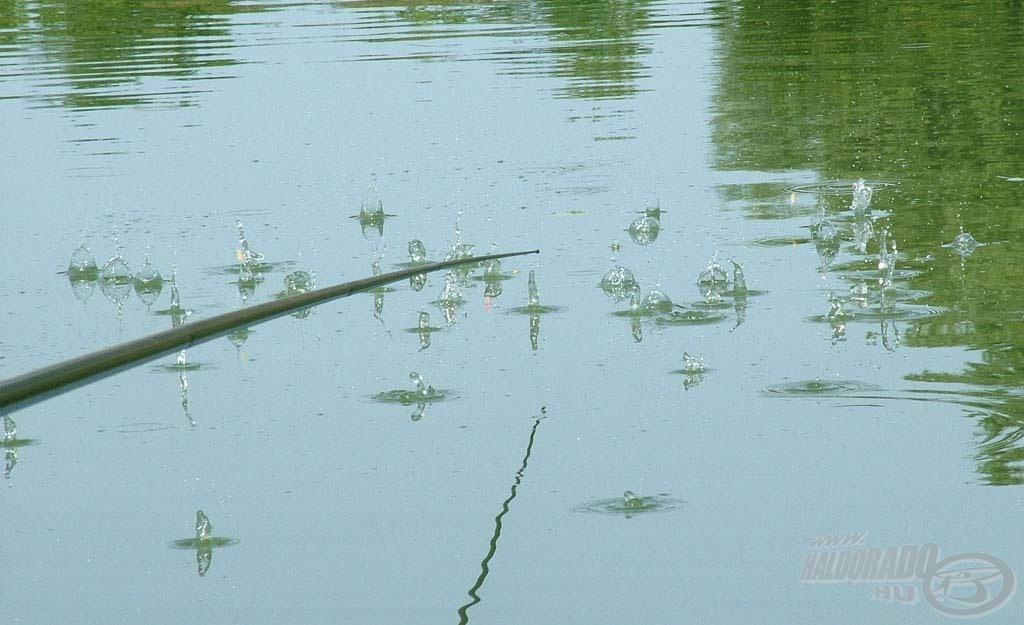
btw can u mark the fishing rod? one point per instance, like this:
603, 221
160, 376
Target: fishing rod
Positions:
35, 386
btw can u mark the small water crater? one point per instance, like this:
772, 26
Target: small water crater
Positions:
818, 388
631, 504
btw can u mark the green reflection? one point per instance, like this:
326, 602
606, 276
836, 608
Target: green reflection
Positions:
997, 404
598, 45
493, 545
108, 51
928, 96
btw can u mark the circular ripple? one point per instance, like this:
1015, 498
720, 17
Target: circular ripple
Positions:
409, 397
900, 312
781, 241
838, 187
818, 388
212, 542
620, 506
689, 318
533, 310
140, 427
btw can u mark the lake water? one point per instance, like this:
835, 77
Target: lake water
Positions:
868, 378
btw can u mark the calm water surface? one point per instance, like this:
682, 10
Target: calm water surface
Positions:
867, 379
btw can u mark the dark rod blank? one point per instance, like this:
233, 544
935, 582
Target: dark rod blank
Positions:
35, 386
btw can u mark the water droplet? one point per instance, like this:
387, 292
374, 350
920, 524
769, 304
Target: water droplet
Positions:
492, 270
656, 301
826, 241
82, 266
739, 281
835, 309
883, 256
714, 274
635, 305
204, 530
861, 196
451, 295
964, 244
417, 251
693, 364
618, 283
177, 313
299, 282
248, 259
10, 429
533, 294
859, 294
423, 391
631, 500
116, 280
371, 210
460, 251
644, 230
116, 271
148, 282
652, 208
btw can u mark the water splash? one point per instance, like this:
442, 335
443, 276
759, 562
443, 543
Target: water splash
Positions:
883, 255
10, 430
635, 302
177, 313
82, 266
116, 279
657, 302
859, 294
148, 282
886, 281
450, 298
534, 329
713, 274
246, 256
116, 271
836, 317
378, 295
371, 210
693, 364
492, 270
204, 529
417, 256
424, 329
451, 295
644, 230
423, 391
631, 501
532, 292
299, 282
739, 280
618, 283
964, 244
694, 370
417, 252
492, 280
826, 241
460, 251
631, 504
861, 196
863, 231
182, 367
